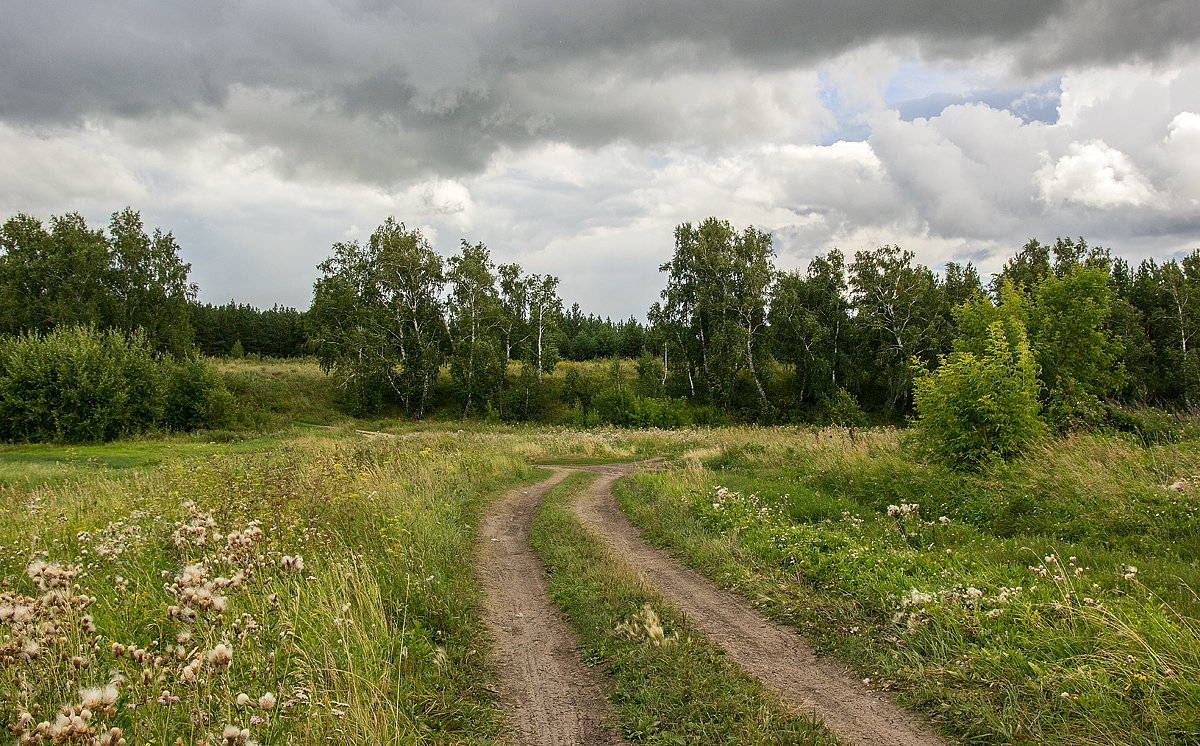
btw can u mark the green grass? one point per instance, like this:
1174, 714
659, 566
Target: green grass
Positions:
1005, 625
44, 464
274, 394
671, 686
376, 639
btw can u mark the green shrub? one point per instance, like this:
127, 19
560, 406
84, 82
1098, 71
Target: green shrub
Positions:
623, 408
77, 385
977, 409
839, 407
196, 397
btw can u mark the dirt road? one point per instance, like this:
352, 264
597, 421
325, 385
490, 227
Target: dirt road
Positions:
550, 698
774, 654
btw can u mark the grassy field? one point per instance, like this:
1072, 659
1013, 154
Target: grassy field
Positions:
303, 588
320, 578
1051, 601
168, 585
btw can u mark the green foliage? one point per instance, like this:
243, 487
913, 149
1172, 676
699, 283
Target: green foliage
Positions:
73, 275
274, 332
196, 397
78, 385
810, 319
974, 409
1077, 354
714, 308
901, 315
377, 319
838, 407
624, 408
477, 359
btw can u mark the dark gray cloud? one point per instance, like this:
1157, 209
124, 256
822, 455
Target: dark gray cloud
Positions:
442, 86
573, 136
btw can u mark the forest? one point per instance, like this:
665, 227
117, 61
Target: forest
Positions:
733, 339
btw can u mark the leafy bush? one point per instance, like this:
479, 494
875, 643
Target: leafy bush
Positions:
839, 407
196, 397
77, 384
976, 409
623, 408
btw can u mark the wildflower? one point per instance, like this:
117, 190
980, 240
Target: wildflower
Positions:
267, 702
112, 737
945, 521
295, 564
243, 699
220, 657
1131, 572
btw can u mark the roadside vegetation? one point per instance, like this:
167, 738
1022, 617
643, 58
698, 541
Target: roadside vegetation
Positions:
152, 583
1050, 600
308, 593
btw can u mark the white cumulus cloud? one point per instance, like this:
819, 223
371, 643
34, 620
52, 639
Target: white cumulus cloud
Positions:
1094, 175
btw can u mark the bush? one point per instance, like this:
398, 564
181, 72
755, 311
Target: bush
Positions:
839, 407
77, 385
978, 409
623, 408
196, 397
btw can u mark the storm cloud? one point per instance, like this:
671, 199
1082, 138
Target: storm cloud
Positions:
572, 136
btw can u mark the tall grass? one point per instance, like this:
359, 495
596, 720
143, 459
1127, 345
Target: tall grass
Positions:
328, 570
1051, 600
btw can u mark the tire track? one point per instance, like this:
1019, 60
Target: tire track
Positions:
549, 697
772, 653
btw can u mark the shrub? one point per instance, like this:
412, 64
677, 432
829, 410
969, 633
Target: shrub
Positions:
623, 408
77, 384
839, 407
196, 397
976, 409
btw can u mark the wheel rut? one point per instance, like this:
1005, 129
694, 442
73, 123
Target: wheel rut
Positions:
549, 697
775, 655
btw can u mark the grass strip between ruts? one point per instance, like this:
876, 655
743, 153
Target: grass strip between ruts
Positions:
671, 685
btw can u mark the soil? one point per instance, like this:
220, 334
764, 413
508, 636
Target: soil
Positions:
549, 697
775, 655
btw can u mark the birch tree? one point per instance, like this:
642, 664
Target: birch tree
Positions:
473, 320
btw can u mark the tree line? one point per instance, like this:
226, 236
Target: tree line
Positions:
844, 340
842, 335
68, 274
96, 335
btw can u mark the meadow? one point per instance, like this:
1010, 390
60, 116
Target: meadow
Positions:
1052, 600
305, 584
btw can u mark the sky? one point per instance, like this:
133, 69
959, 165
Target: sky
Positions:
572, 136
